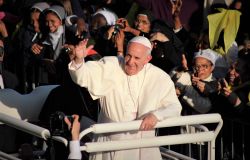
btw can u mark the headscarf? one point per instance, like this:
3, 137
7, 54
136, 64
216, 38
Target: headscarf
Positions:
110, 17
41, 6
58, 10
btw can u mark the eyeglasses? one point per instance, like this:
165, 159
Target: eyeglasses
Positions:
202, 66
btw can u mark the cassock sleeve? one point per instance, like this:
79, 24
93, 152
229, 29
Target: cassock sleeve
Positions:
99, 77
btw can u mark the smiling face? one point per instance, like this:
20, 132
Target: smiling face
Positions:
232, 74
53, 22
137, 56
203, 67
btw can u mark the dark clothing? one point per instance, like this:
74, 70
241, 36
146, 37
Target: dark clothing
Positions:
26, 37
189, 44
25, 65
50, 63
9, 80
166, 55
77, 9
70, 99
242, 111
102, 45
211, 92
236, 123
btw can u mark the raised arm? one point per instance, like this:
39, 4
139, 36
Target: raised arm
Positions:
81, 51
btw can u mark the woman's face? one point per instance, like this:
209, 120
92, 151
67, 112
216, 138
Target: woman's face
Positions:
35, 20
98, 22
203, 67
142, 23
232, 73
53, 22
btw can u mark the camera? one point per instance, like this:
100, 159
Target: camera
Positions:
84, 35
117, 28
67, 50
57, 125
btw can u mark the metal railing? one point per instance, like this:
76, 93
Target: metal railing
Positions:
233, 138
204, 136
29, 128
7, 156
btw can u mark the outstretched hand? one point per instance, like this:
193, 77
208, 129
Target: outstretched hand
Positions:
81, 51
176, 7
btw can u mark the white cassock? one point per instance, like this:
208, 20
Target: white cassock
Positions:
127, 98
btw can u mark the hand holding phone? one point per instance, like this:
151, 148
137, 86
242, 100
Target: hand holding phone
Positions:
223, 83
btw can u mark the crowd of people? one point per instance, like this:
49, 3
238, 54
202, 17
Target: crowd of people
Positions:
123, 60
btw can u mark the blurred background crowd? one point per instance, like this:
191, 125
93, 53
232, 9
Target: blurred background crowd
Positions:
203, 45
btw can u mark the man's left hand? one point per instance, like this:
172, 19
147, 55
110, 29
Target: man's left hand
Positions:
149, 122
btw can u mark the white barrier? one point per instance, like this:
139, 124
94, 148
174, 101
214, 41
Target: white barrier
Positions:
204, 136
7, 156
21, 107
24, 126
149, 142
29, 128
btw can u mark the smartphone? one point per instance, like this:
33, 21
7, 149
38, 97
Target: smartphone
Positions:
222, 83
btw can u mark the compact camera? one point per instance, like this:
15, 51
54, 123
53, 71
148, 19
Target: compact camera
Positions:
67, 50
119, 26
57, 125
